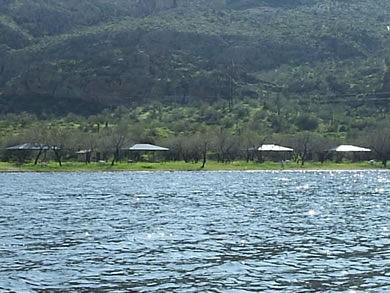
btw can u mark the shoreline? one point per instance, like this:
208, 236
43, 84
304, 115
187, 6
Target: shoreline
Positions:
53, 167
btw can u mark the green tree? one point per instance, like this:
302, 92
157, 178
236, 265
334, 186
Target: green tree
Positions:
307, 122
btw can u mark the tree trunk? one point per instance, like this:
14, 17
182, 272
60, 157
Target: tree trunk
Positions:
58, 157
116, 156
303, 159
37, 157
204, 156
88, 157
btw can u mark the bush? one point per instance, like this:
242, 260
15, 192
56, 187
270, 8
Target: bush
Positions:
307, 123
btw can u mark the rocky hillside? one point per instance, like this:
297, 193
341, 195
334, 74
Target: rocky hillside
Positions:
114, 52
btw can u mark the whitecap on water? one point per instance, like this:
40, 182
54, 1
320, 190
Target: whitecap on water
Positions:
383, 180
158, 235
311, 212
305, 186
196, 191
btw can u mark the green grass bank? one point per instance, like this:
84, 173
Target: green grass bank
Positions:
182, 166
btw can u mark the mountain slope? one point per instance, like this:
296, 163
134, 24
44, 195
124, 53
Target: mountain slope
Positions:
122, 52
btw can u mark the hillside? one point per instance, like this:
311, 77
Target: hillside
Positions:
83, 56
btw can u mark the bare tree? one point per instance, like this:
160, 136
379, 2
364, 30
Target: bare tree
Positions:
118, 141
380, 143
86, 142
57, 140
200, 146
251, 141
113, 139
175, 145
204, 147
37, 135
306, 144
227, 147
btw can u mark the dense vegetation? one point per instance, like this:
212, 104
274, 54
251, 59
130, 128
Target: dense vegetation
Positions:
165, 71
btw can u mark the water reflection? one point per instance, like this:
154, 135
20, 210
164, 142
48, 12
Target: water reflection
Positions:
195, 232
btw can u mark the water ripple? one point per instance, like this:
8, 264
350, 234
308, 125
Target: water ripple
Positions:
195, 232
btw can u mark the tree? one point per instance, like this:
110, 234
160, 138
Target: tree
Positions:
113, 139
302, 146
380, 143
204, 146
175, 145
118, 141
199, 146
38, 136
57, 140
189, 150
307, 122
203, 142
227, 147
305, 144
88, 142
251, 140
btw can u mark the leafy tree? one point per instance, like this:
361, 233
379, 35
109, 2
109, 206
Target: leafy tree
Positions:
307, 122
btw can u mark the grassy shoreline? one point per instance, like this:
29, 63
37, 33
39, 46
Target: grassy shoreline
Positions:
182, 166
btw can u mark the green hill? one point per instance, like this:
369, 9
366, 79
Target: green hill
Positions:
297, 56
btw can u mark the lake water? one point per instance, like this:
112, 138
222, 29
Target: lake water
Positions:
195, 232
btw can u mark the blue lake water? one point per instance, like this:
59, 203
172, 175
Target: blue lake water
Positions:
317, 231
